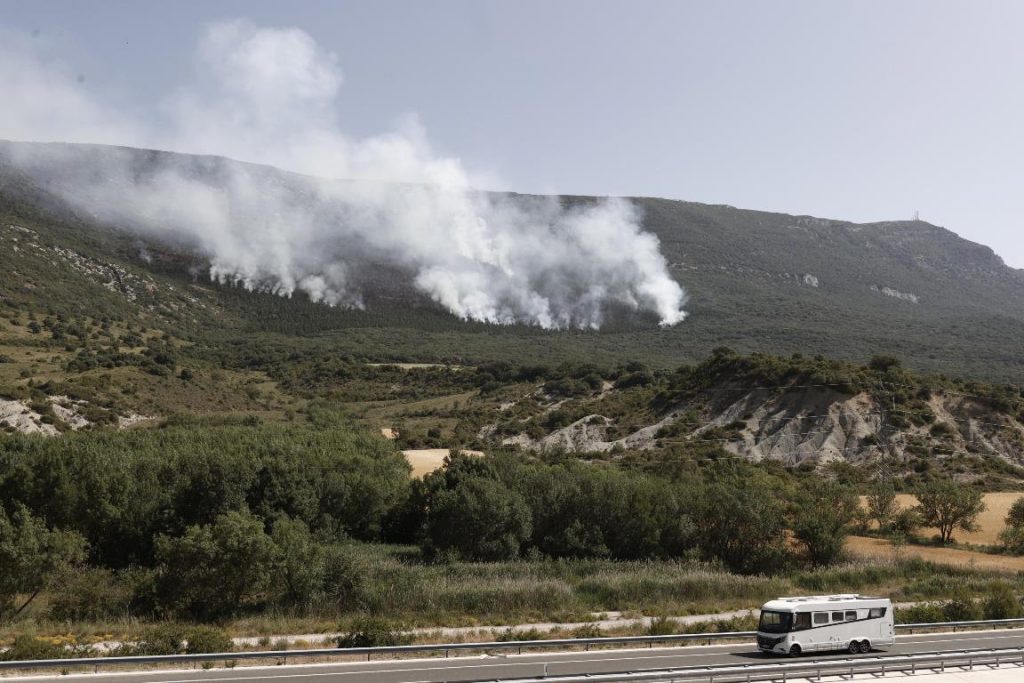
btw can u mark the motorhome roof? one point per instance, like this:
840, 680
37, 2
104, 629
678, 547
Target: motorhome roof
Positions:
823, 602
828, 598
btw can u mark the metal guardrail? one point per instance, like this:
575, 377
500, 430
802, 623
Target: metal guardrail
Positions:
937, 662
446, 648
519, 645
960, 624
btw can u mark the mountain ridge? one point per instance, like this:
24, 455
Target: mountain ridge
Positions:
756, 281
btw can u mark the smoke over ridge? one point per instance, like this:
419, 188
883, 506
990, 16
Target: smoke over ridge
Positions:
270, 96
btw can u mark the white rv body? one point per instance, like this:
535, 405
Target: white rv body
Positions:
817, 623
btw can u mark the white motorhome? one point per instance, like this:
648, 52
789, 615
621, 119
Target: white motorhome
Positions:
854, 623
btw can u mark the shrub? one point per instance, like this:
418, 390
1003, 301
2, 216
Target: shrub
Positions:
374, 632
662, 626
1001, 603
587, 631
926, 613
29, 647
961, 609
206, 639
511, 635
91, 594
346, 577
906, 522
165, 639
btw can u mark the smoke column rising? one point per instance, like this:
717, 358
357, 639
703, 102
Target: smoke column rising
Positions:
270, 95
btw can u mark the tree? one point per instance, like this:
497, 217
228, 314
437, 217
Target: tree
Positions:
821, 517
947, 506
215, 569
300, 563
882, 506
1015, 515
1012, 537
478, 519
742, 523
31, 555
906, 522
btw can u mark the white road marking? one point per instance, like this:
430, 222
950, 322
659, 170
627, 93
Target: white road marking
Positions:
962, 638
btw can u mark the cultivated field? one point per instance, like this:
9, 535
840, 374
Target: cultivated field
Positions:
990, 521
881, 549
426, 460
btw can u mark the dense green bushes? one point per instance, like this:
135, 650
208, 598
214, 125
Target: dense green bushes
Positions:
738, 514
190, 521
123, 490
205, 522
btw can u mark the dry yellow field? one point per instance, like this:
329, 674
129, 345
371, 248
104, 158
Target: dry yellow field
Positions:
879, 549
990, 521
426, 460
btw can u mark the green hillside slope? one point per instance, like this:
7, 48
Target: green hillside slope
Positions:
756, 282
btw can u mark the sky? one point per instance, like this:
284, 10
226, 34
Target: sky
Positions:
865, 111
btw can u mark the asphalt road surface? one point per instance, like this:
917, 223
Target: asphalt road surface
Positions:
505, 666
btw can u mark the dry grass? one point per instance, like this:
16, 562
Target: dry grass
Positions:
880, 549
426, 460
990, 521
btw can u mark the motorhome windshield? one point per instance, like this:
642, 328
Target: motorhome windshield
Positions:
775, 622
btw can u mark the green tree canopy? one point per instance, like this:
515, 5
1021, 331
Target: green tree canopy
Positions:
821, 517
947, 506
214, 569
882, 506
31, 555
743, 524
300, 570
471, 513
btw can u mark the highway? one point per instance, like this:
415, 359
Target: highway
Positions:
504, 666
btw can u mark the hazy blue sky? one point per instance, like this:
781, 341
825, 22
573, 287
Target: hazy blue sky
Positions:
858, 110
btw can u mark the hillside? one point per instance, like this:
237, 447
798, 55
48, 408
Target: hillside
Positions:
756, 282
102, 326
797, 411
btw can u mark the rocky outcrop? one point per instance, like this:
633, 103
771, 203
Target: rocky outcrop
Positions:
819, 424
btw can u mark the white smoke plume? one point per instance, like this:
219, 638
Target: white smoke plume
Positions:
271, 96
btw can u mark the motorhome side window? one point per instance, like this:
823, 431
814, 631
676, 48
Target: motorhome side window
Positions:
801, 621
876, 613
820, 618
851, 615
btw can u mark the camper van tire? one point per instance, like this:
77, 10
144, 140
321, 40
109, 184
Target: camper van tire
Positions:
794, 651
865, 646
854, 648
